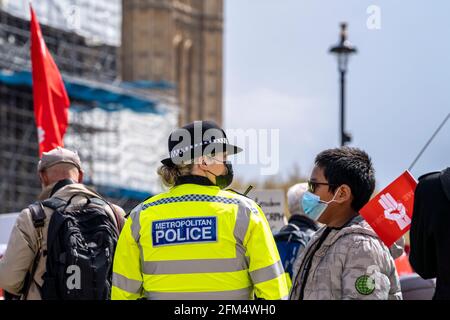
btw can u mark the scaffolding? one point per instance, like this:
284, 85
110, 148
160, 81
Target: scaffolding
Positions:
19, 180
119, 129
72, 53
97, 21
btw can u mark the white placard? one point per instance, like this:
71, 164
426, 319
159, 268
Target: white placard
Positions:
2, 249
6, 224
272, 203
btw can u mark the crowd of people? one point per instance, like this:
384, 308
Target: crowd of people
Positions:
200, 240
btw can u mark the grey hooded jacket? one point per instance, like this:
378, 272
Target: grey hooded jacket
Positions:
351, 263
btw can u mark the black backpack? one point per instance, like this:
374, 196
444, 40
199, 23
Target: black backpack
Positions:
291, 241
81, 242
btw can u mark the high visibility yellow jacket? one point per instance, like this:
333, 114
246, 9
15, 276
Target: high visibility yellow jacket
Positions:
197, 242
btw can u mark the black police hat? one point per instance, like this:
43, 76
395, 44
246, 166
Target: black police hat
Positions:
197, 139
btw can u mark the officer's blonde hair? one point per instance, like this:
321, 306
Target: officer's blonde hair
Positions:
170, 174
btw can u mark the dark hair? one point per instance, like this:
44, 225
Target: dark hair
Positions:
350, 166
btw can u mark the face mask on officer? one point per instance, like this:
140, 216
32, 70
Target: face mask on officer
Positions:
223, 180
313, 206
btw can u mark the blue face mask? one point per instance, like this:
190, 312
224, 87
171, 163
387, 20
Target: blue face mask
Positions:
313, 206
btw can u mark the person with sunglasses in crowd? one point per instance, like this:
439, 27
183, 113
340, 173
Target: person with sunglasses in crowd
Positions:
345, 259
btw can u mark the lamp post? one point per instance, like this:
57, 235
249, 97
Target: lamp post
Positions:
343, 50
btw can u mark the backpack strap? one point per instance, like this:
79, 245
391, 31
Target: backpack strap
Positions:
54, 203
38, 217
99, 200
120, 222
37, 214
293, 225
103, 202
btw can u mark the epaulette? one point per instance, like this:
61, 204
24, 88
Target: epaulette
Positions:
234, 191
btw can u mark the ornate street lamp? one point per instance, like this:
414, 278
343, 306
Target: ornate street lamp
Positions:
343, 50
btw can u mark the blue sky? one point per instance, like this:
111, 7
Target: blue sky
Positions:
278, 74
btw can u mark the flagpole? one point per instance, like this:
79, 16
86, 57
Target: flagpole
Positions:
429, 141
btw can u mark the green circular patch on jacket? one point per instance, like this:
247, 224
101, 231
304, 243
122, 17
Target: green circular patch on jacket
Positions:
365, 285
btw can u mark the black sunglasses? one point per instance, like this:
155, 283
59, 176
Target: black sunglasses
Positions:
312, 185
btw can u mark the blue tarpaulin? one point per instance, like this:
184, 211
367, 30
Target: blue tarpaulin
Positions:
108, 97
105, 96
119, 192
146, 84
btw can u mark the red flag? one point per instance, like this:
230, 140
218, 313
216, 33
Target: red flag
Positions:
51, 103
389, 213
402, 265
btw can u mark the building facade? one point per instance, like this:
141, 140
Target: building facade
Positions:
179, 41
117, 127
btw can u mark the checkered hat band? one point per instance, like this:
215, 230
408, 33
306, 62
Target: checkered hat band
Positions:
191, 198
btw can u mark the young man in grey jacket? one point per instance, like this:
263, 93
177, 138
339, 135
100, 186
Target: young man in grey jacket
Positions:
345, 259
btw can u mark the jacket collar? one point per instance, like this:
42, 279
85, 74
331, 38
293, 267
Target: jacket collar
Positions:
65, 190
192, 179
303, 221
59, 185
51, 189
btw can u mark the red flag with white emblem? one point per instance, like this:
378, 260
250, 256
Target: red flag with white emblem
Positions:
389, 213
51, 103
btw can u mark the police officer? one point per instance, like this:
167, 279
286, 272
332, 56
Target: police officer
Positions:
197, 241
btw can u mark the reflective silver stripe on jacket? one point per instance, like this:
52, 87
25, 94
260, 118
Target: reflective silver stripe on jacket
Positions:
129, 285
136, 223
241, 294
268, 273
194, 266
135, 217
